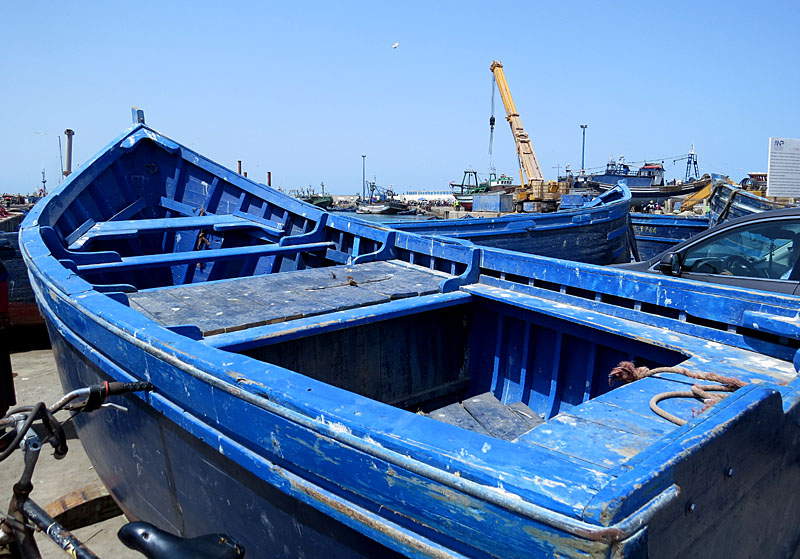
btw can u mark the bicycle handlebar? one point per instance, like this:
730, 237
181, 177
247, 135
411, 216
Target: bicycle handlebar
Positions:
92, 397
96, 394
116, 388
19, 432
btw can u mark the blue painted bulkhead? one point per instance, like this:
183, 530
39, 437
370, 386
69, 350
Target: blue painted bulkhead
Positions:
315, 434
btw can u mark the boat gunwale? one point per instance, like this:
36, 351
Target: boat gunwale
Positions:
505, 224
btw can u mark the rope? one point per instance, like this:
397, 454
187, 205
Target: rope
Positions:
626, 372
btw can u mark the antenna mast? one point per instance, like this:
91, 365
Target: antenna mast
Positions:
60, 159
690, 162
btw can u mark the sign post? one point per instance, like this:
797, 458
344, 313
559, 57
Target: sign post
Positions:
783, 168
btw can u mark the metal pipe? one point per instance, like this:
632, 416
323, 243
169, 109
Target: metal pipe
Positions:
363, 176
583, 148
68, 170
62, 537
269, 178
240, 167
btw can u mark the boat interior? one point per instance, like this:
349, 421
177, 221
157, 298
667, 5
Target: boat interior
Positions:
486, 340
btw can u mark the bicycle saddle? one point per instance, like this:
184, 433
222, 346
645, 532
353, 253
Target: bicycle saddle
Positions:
158, 544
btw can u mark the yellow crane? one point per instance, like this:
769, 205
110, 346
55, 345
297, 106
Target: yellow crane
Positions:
533, 186
527, 158
695, 198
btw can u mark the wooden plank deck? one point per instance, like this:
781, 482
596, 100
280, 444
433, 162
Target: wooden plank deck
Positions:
614, 427
235, 304
485, 414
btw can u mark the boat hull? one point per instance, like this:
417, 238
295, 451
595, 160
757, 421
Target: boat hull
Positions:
642, 192
393, 208
656, 233
22, 309
155, 457
593, 234
464, 201
168, 451
323, 202
166, 460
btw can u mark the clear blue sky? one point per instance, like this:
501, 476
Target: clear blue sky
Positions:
303, 89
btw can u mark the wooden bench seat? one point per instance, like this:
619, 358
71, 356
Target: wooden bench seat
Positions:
130, 228
265, 303
191, 257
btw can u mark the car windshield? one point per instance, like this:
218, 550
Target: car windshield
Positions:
757, 250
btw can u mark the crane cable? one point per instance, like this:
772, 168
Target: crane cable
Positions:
491, 126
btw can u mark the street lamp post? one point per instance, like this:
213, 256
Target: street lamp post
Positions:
583, 149
363, 176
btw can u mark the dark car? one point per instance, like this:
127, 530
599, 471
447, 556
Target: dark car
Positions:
758, 251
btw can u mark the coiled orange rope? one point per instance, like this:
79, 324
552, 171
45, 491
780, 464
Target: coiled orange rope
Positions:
626, 372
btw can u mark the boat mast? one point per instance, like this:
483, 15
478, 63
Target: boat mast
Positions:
691, 161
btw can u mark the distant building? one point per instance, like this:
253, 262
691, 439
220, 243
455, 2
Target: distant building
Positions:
430, 195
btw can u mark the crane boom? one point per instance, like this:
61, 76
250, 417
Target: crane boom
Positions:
527, 157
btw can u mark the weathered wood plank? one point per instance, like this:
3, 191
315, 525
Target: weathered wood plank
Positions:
220, 310
235, 304
397, 281
83, 507
455, 414
496, 418
527, 414
165, 308
639, 423
585, 440
636, 396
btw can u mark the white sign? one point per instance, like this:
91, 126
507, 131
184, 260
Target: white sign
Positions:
783, 169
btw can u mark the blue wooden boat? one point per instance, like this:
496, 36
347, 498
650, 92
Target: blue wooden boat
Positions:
597, 233
729, 201
22, 309
655, 233
328, 388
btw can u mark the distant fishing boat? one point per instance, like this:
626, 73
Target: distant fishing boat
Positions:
312, 197
326, 387
646, 182
597, 233
471, 185
387, 207
381, 201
